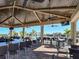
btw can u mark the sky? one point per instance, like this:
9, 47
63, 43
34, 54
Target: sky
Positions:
48, 29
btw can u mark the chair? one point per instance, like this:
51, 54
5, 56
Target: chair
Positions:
76, 54
3, 52
22, 48
13, 48
74, 46
28, 44
73, 52
63, 51
34, 41
22, 45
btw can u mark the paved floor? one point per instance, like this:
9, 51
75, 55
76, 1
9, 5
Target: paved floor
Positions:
30, 53
27, 54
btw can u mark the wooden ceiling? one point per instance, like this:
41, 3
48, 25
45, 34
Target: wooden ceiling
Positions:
24, 13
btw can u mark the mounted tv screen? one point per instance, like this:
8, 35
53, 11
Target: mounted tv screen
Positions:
65, 23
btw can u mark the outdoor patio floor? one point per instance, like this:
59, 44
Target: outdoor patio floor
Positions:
43, 53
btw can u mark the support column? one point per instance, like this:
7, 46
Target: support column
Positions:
23, 33
73, 32
11, 29
10, 33
42, 32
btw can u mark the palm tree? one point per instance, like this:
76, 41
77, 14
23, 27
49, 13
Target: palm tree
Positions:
15, 33
25, 33
33, 33
67, 32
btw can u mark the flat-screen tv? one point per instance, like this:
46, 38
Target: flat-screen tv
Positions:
65, 23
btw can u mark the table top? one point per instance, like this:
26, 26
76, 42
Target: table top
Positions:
13, 42
44, 49
16, 41
77, 44
3, 44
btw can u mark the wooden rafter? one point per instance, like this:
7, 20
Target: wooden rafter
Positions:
75, 15
29, 9
5, 7
57, 8
37, 16
18, 20
13, 8
2, 25
37, 22
5, 19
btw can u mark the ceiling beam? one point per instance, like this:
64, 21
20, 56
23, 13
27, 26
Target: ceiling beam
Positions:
57, 8
75, 15
36, 15
41, 12
5, 7
13, 8
36, 23
5, 26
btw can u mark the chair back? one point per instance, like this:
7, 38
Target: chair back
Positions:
73, 51
74, 46
3, 50
14, 46
22, 45
34, 41
28, 43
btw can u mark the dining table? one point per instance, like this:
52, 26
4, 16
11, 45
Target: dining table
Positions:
13, 42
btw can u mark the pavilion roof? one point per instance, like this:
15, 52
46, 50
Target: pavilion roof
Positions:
20, 13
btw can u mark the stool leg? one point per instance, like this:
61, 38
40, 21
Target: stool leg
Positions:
8, 55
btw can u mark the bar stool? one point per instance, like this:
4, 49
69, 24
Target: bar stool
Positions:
28, 48
22, 45
12, 49
71, 52
22, 49
3, 52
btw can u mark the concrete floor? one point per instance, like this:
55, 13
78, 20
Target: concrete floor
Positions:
30, 53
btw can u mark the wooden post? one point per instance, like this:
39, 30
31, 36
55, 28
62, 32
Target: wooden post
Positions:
73, 32
23, 33
42, 32
11, 28
74, 18
10, 33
